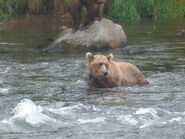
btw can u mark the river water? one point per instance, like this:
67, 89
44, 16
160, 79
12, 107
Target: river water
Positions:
43, 95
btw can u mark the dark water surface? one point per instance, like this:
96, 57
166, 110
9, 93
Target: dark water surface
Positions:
44, 96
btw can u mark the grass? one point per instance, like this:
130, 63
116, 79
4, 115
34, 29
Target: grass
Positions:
117, 9
6, 10
10, 8
135, 9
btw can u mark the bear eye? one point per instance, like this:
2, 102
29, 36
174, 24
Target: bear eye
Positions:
100, 64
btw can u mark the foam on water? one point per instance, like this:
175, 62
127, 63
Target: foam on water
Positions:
27, 112
66, 110
178, 119
96, 120
27, 116
128, 118
147, 117
7, 43
5, 70
146, 110
4, 90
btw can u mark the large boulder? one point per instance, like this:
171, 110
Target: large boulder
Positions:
100, 34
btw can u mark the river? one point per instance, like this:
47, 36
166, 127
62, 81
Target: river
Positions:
43, 95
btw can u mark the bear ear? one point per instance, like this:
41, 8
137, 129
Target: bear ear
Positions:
89, 56
110, 56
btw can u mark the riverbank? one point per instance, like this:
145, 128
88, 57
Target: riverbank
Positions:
137, 9
115, 9
23, 19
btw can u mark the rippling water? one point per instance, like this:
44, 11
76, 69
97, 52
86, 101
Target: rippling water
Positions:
45, 96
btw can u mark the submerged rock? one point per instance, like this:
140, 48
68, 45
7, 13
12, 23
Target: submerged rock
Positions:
181, 32
99, 35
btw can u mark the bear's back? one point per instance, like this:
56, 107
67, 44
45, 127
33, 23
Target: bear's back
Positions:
127, 74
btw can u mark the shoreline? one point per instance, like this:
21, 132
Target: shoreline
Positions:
29, 18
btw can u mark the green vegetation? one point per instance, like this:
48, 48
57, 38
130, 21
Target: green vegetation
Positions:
119, 9
135, 9
6, 10
11, 8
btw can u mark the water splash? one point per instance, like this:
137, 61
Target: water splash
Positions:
4, 90
95, 120
28, 114
67, 110
128, 118
152, 117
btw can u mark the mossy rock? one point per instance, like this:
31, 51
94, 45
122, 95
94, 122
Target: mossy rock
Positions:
104, 34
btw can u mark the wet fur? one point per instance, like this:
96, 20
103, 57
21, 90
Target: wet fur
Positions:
119, 74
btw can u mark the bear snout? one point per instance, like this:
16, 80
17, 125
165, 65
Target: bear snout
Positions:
103, 71
105, 74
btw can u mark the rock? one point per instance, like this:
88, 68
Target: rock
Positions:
100, 34
181, 33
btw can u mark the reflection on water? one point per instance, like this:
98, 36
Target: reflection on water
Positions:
44, 95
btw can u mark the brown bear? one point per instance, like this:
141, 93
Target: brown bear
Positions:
102, 72
94, 11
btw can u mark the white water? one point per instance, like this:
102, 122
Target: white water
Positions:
44, 95
27, 116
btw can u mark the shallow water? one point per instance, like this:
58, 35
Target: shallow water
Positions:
44, 95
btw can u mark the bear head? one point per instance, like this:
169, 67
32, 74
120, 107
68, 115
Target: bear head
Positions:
98, 65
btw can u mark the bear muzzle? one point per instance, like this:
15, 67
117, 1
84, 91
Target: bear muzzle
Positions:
105, 74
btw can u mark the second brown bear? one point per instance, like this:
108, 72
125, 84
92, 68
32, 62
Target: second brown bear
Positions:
94, 11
